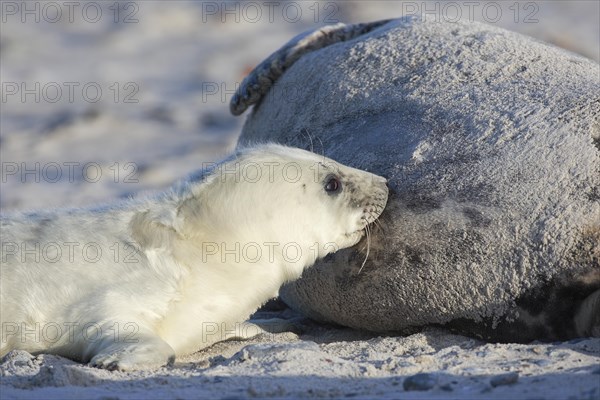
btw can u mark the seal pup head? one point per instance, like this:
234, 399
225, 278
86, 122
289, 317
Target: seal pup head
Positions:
286, 196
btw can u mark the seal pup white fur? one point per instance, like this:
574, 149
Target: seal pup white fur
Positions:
133, 284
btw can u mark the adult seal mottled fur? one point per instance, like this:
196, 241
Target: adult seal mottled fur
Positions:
132, 284
490, 141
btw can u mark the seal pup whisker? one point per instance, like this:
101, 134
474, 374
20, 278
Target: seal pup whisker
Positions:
311, 143
322, 146
376, 221
304, 130
368, 234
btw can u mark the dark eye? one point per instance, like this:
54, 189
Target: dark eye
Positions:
333, 185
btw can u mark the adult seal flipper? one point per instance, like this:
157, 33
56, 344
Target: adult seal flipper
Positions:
490, 141
264, 76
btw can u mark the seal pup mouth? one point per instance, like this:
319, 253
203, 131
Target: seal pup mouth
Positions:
369, 217
372, 209
370, 214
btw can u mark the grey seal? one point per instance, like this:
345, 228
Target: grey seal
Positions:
490, 142
132, 284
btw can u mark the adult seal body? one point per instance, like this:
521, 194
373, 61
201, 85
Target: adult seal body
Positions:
491, 145
133, 284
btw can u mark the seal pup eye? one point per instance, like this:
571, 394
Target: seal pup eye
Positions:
333, 185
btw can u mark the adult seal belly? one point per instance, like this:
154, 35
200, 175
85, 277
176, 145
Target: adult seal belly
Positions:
490, 141
131, 285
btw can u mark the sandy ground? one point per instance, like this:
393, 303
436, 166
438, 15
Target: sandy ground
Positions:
165, 82
329, 362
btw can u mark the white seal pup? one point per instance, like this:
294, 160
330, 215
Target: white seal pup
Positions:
133, 284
